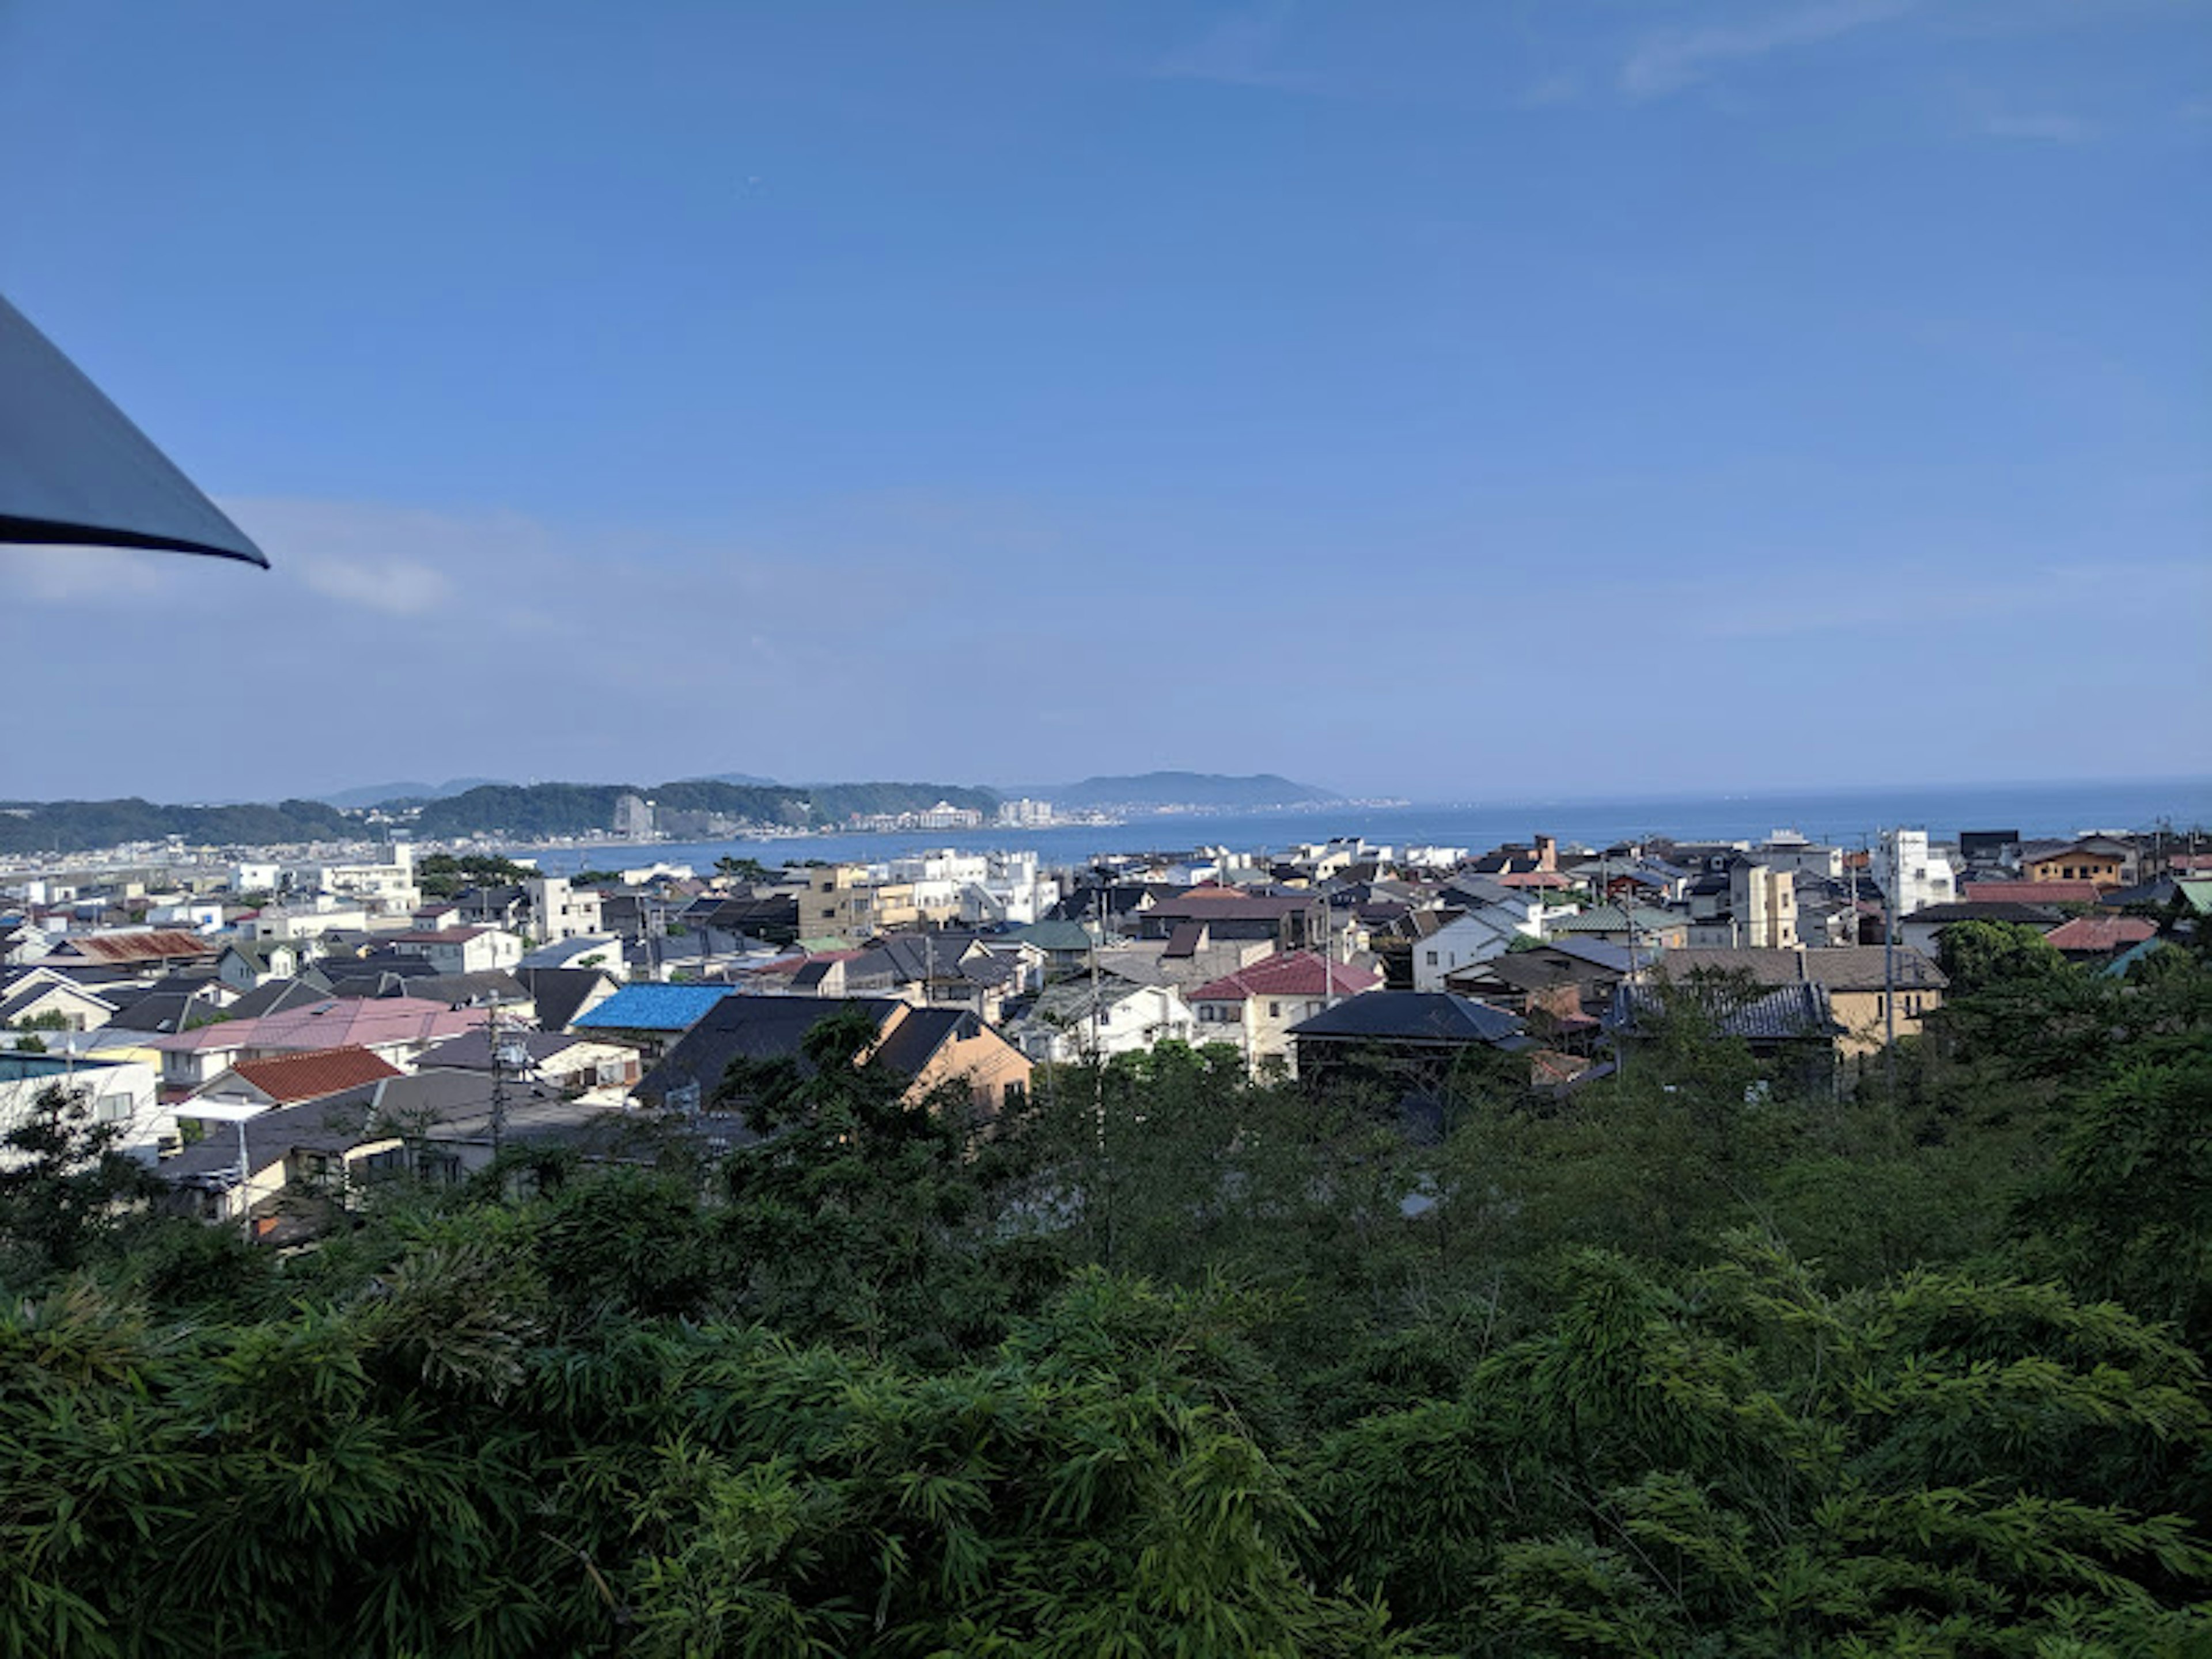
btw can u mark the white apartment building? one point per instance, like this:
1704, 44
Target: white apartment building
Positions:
1909, 874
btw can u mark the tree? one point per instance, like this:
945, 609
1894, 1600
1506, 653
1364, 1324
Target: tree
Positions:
1976, 956
61, 1180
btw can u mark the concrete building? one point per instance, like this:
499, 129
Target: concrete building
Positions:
1910, 873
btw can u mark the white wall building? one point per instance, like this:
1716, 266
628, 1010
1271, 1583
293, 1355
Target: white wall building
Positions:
1909, 874
120, 1091
559, 911
1483, 932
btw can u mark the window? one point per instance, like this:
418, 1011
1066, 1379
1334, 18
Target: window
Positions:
1274, 1011
1432, 958
113, 1109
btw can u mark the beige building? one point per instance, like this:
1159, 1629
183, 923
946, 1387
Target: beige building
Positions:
1853, 976
841, 900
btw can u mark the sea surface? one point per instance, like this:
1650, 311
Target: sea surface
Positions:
1838, 817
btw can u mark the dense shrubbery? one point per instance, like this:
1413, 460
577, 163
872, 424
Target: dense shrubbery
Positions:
1679, 1365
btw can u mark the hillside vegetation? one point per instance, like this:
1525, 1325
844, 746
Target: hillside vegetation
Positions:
1168, 1364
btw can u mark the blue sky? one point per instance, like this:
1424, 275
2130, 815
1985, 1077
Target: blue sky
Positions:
1427, 399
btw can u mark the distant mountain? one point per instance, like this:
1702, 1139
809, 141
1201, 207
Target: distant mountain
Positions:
746, 780
1150, 791
376, 795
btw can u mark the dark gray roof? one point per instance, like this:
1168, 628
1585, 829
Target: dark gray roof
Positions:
166, 1012
747, 1028
559, 992
471, 1050
1428, 1017
917, 1038
73, 469
279, 994
1782, 1014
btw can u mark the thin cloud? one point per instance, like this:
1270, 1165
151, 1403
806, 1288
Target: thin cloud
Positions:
2050, 129
1668, 62
1239, 50
1553, 91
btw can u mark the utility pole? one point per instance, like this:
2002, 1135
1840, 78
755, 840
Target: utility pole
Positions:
498, 1087
1889, 969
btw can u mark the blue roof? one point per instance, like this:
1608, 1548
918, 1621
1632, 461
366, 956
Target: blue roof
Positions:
652, 1008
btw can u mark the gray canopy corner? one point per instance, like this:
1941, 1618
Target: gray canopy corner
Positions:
75, 471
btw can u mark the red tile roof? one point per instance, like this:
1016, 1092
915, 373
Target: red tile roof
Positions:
1533, 878
2102, 933
2031, 892
1296, 976
290, 1079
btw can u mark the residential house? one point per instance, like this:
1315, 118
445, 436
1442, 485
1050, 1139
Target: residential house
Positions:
139, 951
1922, 930
649, 1018
1637, 928
308, 921
1791, 1025
1255, 1008
33, 997
560, 1060
2096, 939
2096, 859
1201, 915
1075, 1021
1486, 930
2053, 891
560, 994
1409, 1042
461, 950
935, 1048
248, 965
1561, 988
1856, 980
294, 1079
398, 1029
123, 1094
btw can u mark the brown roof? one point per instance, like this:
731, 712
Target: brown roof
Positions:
290, 1079
1839, 968
2102, 933
157, 945
2031, 892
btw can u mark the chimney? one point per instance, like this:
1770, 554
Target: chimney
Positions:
1547, 853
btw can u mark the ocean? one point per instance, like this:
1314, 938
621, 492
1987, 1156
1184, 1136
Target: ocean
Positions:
1840, 818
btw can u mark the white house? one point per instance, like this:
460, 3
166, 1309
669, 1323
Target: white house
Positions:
1069, 1023
462, 950
1486, 931
1254, 1008
123, 1092
246, 965
38, 996
305, 921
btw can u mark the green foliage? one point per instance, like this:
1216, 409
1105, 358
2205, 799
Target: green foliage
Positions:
78, 826
1170, 1361
1976, 955
441, 875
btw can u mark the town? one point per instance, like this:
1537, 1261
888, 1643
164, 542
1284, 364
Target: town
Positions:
272, 1032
